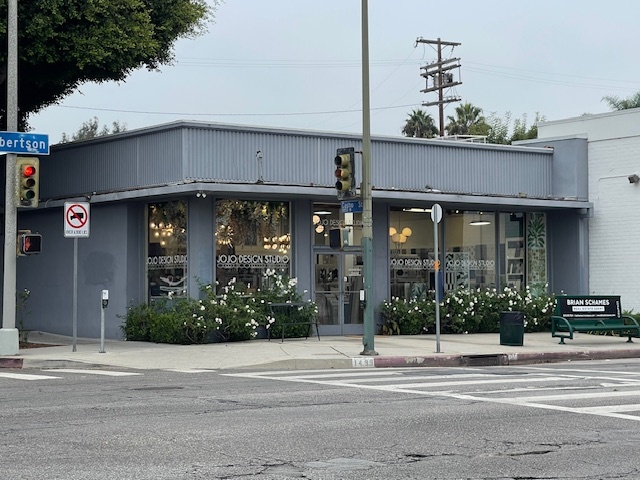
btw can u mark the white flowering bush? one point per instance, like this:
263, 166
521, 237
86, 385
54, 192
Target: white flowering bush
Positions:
278, 288
232, 314
408, 317
468, 311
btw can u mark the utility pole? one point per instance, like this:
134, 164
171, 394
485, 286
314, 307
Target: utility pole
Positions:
441, 77
367, 204
9, 339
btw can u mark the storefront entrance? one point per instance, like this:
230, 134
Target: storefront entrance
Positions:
337, 285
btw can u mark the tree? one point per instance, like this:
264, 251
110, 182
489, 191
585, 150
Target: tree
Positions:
91, 129
420, 125
64, 44
468, 121
500, 130
616, 103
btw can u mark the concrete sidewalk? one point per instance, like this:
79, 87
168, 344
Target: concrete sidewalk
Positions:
328, 352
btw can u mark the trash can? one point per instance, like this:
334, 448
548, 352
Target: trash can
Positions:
512, 328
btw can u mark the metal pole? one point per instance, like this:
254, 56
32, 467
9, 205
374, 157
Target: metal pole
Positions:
75, 293
437, 282
9, 338
101, 328
367, 221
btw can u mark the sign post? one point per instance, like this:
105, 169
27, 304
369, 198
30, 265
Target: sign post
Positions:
76, 225
436, 216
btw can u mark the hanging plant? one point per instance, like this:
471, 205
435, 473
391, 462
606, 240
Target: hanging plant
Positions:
248, 218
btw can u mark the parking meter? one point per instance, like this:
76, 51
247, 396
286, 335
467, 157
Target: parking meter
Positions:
105, 298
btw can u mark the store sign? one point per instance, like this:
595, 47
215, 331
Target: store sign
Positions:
166, 261
259, 261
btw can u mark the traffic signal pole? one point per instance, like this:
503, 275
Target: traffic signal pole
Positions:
367, 204
9, 338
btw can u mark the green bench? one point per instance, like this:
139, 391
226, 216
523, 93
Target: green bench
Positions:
591, 314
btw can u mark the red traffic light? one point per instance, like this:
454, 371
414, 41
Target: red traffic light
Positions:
28, 170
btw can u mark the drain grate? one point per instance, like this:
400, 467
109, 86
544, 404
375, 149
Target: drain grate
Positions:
482, 360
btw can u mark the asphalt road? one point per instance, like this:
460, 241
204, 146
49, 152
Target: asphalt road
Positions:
571, 420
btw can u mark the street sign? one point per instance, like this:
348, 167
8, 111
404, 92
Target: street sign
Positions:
19, 142
351, 206
436, 213
76, 220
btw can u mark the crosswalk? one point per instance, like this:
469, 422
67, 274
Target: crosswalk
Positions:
58, 373
610, 393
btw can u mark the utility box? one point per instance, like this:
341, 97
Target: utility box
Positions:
512, 328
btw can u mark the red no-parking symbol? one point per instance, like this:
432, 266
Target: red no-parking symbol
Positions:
76, 219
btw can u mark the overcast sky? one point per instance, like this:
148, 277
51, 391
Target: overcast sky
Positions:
296, 64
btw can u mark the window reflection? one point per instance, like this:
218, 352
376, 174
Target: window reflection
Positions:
167, 249
251, 237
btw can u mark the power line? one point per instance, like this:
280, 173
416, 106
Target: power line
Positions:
276, 114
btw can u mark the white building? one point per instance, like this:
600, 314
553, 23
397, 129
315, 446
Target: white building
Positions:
613, 144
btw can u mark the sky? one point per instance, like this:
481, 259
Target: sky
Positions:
297, 64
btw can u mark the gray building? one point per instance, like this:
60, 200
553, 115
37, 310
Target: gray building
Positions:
184, 204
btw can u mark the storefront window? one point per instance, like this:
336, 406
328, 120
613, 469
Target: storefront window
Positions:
470, 250
411, 252
328, 220
512, 250
251, 237
167, 249
537, 252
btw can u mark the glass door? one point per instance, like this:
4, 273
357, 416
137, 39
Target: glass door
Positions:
338, 281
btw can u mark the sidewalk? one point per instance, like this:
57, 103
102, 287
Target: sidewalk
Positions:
329, 352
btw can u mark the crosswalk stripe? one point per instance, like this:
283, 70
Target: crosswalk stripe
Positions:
610, 408
25, 376
579, 370
577, 396
93, 372
455, 383
188, 370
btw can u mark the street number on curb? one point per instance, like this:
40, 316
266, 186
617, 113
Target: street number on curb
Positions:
362, 362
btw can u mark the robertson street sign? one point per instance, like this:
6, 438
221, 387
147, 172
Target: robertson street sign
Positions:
19, 142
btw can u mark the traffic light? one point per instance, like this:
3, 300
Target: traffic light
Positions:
28, 172
29, 243
345, 172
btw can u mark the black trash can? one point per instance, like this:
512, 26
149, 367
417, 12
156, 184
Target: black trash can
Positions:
512, 328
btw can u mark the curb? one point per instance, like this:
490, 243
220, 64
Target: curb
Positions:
11, 362
501, 359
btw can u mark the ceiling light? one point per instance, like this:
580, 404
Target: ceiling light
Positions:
417, 210
479, 222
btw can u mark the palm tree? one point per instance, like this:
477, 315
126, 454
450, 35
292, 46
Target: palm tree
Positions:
616, 103
469, 119
420, 125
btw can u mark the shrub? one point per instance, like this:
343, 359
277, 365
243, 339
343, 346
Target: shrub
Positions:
467, 311
232, 316
282, 289
410, 317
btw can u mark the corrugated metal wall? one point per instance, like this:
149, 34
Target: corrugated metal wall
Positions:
187, 151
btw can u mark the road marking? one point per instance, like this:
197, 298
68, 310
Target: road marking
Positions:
188, 370
363, 380
611, 408
93, 372
580, 370
26, 376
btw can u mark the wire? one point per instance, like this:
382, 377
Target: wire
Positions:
277, 114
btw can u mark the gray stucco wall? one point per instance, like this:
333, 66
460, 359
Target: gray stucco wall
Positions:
109, 259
